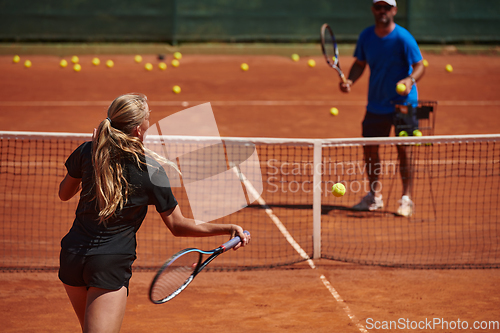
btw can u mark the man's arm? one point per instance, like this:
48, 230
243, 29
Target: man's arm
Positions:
357, 69
418, 72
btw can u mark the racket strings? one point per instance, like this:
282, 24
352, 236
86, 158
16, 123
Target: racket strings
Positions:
174, 276
331, 48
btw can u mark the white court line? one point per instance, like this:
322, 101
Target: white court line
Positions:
231, 103
299, 249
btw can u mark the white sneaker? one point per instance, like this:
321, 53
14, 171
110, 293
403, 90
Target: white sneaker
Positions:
406, 207
369, 203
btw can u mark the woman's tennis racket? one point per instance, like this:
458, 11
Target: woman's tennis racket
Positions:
178, 271
330, 50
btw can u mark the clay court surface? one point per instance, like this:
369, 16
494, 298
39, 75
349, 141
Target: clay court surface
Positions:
275, 98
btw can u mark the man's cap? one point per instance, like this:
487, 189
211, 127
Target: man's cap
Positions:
390, 2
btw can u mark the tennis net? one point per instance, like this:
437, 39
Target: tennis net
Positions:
454, 188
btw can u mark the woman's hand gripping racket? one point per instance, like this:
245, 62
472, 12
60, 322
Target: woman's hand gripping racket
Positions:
178, 271
330, 50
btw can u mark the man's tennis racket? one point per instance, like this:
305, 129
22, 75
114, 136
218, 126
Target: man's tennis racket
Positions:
330, 49
178, 271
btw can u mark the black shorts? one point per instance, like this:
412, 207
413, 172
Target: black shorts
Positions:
380, 125
105, 271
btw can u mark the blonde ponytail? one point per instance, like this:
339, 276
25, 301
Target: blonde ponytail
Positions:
115, 143
112, 145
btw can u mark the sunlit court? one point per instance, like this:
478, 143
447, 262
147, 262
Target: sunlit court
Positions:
270, 134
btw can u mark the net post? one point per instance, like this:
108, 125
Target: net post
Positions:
317, 154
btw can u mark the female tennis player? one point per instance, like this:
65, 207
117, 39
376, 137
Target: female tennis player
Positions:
98, 251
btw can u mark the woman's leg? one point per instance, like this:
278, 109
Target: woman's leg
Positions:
105, 310
78, 298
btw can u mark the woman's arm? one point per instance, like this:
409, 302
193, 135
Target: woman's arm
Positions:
69, 187
181, 226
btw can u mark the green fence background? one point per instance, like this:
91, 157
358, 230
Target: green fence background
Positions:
178, 21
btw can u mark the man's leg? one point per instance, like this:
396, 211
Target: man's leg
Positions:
374, 125
405, 168
373, 168
373, 200
406, 171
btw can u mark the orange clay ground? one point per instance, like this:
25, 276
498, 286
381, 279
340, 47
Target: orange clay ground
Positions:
298, 99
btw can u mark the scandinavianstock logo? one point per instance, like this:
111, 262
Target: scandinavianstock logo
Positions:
219, 176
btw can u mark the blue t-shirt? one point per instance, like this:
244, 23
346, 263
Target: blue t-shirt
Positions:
390, 60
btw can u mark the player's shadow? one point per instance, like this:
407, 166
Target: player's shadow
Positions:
300, 207
331, 210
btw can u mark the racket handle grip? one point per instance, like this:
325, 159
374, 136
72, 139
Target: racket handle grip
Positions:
344, 79
232, 242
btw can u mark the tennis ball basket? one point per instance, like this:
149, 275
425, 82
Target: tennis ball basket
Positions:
411, 116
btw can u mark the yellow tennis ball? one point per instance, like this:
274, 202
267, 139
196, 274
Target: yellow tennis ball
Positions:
110, 63
334, 111
403, 133
295, 57
16, 59
417, 132
176, 89
449, 68
148, 66
162, 66
77, 67
177, 55
175, 63
27, 64
137, 58
244, 67
63, 63
400, 88
311, 63
74, 59
425, 62
96, 61
338, 189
